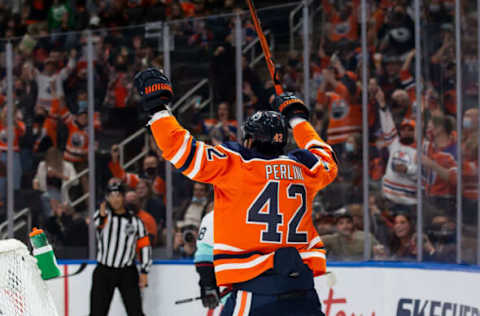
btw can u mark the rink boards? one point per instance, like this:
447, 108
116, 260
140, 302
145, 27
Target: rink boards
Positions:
372, 288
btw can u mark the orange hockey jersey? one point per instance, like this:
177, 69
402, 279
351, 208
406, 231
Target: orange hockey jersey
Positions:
345, 118
339, 29
261, 204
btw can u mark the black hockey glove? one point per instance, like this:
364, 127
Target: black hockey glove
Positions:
210, 296
155, 90
290, 106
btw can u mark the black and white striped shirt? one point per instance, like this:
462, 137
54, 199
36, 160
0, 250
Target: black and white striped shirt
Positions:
118, 237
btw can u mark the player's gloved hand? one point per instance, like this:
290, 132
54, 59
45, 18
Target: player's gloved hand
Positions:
210, 296
154, 88
290, 106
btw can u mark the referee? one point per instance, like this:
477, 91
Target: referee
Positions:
120, 234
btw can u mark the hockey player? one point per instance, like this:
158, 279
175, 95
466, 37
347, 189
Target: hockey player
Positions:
265, 244
203, 259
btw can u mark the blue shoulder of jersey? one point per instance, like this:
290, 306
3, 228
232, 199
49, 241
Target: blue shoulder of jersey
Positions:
304, 157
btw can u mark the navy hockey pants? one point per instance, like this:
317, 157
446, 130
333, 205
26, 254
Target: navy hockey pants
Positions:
300, 303
285, 290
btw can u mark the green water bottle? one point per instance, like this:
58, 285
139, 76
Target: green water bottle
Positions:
43, 251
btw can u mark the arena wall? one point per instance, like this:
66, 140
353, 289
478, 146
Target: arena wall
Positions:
368, 289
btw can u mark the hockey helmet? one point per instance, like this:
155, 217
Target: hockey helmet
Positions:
268, 131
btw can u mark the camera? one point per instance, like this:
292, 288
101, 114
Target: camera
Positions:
189, 236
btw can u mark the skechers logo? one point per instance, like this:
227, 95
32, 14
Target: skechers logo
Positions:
157, 87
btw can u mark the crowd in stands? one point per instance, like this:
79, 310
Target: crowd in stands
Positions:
392, 143
51, 116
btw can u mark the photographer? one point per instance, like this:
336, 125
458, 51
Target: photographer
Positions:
184, 243
119, 234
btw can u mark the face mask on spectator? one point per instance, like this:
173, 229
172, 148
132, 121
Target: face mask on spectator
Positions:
151, 172
82, 104
467, 122
349, 147
407, 140
199, 200
39, 118
132, 206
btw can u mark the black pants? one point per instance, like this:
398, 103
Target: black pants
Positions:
298, 303
285, 290
104, 282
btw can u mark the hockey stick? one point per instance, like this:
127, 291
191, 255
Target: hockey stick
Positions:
192, 299
265, 48
82, 267
229, 289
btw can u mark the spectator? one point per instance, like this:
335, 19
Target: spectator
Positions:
398, 34
401, 107
400, 244
403, 241
193, 211
333, 101
399, 182
291, 73
347, 243
222, 129
51, 73
37, 13
82, 16
150, 171
470, 122
60, 17
381, 220
52, 174
46, 133
76, 150
469, 176
175, 12
69, 232
148, 202
19, 131
325, 224
222, 70
156, 11
440, 156
342, 20
132, 203
441, 232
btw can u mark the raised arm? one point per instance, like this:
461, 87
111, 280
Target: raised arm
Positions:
386, 119
195, 159
100, 216
322, 159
